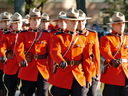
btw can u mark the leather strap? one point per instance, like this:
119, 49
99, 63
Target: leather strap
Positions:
34, 42
71, 45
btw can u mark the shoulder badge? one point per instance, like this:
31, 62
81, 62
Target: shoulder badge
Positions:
58, 33
6, 32
90, 30
23, 31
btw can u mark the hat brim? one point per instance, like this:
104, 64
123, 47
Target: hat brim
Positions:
87, 18
17, 21
45, 20
57, 19
66, 17
117, 22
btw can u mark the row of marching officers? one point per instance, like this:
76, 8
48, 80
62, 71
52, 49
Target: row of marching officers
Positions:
64, 59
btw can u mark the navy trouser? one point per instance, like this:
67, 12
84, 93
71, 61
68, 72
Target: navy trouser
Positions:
92, 89
114, 90
10, 82
76, 90
28, 87
1, 82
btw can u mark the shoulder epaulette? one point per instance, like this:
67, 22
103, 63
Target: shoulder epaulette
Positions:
58, 33
6, 32
53, 30
83, 34
107, 34
90, 30
23, 31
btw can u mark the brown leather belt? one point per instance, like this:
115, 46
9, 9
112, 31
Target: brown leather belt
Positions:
72, 62
39, 56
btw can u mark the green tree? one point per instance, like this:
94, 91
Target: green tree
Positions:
28, 5
114, 6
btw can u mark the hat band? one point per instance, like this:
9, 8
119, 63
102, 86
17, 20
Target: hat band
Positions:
119, 21
5, 18
72, 17
16, 20
44, 19
34, 16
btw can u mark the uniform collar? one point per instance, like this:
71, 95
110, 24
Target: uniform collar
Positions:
34, 30
16, 32
70, 32
116, 34
82, 31
5, 29
62, 30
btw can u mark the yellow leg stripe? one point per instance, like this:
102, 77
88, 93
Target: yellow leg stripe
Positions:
20, 84
102, 88
50, 87
5, 85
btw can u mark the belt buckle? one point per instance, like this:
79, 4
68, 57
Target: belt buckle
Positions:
72, 62
36, 57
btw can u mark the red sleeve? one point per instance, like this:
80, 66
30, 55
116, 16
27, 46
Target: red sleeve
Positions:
87, 64
3, 45
105, 48
55, 49
19, 52
96, 54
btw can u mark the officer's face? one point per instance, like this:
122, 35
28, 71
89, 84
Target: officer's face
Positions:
5, 24
119, 27
81, 24
34, 23
44, 25
72, 25
17, 26
61, 24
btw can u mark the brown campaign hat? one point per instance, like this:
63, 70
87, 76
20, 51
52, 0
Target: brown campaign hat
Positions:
35, 13
62, 13
83, 15
16, 18
72, 14
44, 17
118, 17
5, 16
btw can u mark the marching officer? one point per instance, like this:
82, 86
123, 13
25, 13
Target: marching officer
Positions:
61, 28
32, 51
93, 51
114, 48
67, 50
2, 89
7, 45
